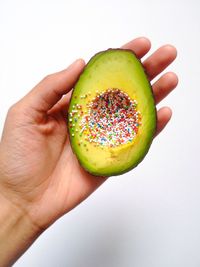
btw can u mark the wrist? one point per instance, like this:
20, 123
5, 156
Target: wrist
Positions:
17, 232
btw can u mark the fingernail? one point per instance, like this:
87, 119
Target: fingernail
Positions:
79, 61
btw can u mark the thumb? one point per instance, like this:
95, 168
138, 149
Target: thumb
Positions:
50, 90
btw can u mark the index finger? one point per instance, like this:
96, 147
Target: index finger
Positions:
140, 46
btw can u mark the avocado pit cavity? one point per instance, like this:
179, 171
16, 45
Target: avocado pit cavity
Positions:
112, 119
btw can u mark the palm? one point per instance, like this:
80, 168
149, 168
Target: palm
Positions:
49, 181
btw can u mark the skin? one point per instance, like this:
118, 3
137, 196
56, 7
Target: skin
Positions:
40, 178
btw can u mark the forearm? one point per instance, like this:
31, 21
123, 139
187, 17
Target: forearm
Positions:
17, 232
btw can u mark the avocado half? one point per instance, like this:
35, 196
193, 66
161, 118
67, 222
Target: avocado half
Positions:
112, 114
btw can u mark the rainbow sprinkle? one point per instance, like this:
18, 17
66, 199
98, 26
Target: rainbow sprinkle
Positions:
112, 119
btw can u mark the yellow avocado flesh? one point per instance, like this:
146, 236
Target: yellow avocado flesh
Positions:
120, 69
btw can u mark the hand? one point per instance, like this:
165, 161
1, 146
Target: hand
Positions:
39, 174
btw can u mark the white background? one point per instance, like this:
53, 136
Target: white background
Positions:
149, 217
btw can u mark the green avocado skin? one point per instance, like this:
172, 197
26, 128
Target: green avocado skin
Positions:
129, 74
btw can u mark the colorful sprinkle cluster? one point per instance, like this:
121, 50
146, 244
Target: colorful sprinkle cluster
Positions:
112, 119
